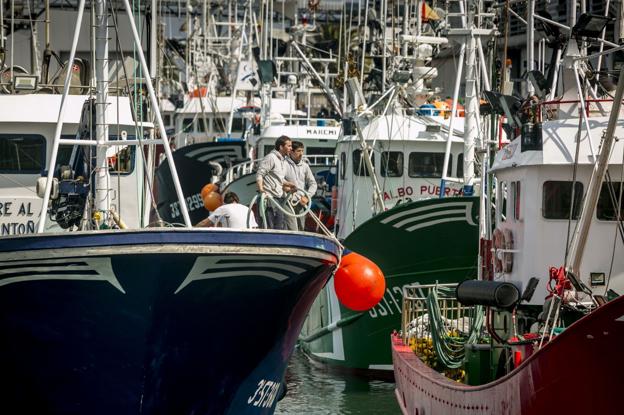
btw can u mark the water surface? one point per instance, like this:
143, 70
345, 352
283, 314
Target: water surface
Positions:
320, 392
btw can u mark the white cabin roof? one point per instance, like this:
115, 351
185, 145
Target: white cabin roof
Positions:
559, 145
395, 127
44, 108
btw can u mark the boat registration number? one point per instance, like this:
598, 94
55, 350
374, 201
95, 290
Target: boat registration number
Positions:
265, 394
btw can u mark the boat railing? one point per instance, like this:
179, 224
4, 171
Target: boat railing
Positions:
417, 319
240, 170
321, 159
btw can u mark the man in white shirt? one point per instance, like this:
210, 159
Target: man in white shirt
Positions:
299, 173
230, 215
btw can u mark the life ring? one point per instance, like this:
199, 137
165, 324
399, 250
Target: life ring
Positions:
503, 242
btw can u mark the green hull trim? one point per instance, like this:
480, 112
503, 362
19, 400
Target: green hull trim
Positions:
426, 241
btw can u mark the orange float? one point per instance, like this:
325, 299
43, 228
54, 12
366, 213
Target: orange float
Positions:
199, 92
212, 201
359, 283
210, 187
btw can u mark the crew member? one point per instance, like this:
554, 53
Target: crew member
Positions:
230, 215
299, 173
270, 180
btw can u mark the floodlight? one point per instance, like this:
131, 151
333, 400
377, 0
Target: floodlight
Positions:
25, 82
590, 25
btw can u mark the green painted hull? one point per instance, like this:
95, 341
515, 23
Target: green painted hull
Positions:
421, 242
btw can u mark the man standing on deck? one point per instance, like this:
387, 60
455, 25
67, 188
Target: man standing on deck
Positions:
270, 180
299, 173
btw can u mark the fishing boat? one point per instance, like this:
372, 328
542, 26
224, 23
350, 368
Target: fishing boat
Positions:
224, 132
406, 186
109, 316
482, 346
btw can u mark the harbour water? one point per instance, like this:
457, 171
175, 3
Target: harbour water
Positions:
315, 391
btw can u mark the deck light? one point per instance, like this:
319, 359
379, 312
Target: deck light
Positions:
590, 25
25, 82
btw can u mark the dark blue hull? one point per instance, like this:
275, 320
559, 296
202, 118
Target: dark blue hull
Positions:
161, 322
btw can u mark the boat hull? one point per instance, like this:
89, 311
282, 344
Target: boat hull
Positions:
182, 322
579, 372
442, 247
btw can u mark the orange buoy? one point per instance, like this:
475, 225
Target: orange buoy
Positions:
212, 201
199, 92
210, 187
359, 283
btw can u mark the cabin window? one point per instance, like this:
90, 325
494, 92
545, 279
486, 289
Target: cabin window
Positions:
201, 124
428, 165
219, 125
392, 164
167, 120
237, 124
267, 150
515, 190
556, 199
319, 151
460, 165
607, 201
501, 202
359, 165
343, 165
187, 125
22, 153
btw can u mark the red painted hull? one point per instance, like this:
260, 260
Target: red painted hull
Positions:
580, 372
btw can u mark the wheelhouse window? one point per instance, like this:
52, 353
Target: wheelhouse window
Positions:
187, 125
219, 125
237, 124
359, 165
319, 151
609, 198
460, 165
22, 153
501, 201
268, 149
343, 165
428, 165
392, 164
167, 120
515, 192
201, 124
557, 199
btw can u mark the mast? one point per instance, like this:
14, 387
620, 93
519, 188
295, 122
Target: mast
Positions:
102, 177
530, 42
469, 38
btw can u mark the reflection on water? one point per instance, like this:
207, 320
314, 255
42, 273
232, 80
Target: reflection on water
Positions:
315, 391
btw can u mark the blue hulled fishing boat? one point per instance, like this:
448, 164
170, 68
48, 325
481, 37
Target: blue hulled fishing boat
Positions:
154, 321
102, 314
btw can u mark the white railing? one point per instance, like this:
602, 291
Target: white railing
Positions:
321, 160
240, 170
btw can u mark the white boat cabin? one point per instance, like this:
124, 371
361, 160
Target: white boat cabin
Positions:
27, 126
408, 159
534, 200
